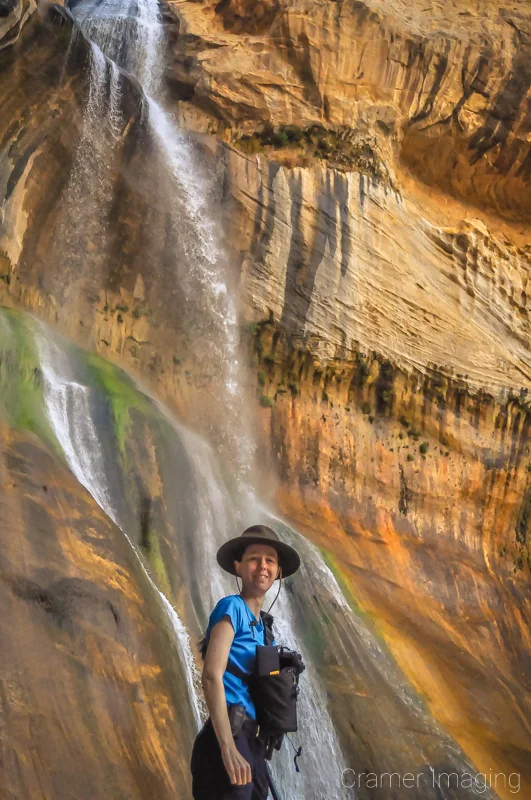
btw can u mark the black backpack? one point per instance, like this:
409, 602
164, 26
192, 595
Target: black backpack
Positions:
275, 695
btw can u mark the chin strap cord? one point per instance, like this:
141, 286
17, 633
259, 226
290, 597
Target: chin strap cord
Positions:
279, 588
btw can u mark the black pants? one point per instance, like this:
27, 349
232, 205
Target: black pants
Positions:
210, 780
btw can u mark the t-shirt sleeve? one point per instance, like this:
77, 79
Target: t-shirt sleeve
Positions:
226, 607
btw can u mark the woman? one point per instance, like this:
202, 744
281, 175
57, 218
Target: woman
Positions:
226, 766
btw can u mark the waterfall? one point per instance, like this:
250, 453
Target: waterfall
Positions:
129, 33
87, 198
70, 409
70, 413
212, 315
76, 405
193, 677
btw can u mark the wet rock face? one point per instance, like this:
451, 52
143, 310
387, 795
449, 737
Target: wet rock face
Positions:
388, 301
43, 93
87, 674
420, 490
7, 7
13, 15
86, 227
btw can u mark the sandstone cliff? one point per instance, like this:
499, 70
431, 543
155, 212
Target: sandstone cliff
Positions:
13, 15
441, 89
89, 693
374, 174
379, 200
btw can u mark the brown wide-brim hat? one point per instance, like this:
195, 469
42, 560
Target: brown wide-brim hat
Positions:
231, 551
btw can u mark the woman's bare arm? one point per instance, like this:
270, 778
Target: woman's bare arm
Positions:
217, 655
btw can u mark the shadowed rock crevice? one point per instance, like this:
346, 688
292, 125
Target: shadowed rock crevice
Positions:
247, 16
7, 7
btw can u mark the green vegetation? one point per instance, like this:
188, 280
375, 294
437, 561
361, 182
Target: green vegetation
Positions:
22, 402
424, 448
151, 549
366, 408
261, 377
524, 519
410, 457
21, 381
121, 392
266, 401
344, 149
63, 32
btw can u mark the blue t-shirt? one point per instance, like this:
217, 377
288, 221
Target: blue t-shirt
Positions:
242, 653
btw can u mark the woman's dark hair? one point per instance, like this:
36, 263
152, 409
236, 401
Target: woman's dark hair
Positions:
202, 645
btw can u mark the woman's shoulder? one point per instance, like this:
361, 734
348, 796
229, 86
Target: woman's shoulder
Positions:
229, 600
229, 606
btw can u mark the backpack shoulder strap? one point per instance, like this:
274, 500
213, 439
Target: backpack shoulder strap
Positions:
239, 673
269, 636
267, 620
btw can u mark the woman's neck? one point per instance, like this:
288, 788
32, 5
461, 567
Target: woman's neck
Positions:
254, 603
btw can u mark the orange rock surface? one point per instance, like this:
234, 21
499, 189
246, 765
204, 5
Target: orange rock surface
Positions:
91, 703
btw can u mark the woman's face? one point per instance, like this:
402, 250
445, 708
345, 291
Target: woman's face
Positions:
258, 568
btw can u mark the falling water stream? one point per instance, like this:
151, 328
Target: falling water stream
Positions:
129, 33
72, 407
392, 708
312, 613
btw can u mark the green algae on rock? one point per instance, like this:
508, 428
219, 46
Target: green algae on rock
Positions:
21, 382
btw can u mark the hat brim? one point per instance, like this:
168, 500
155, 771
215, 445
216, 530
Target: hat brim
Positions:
288, 558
